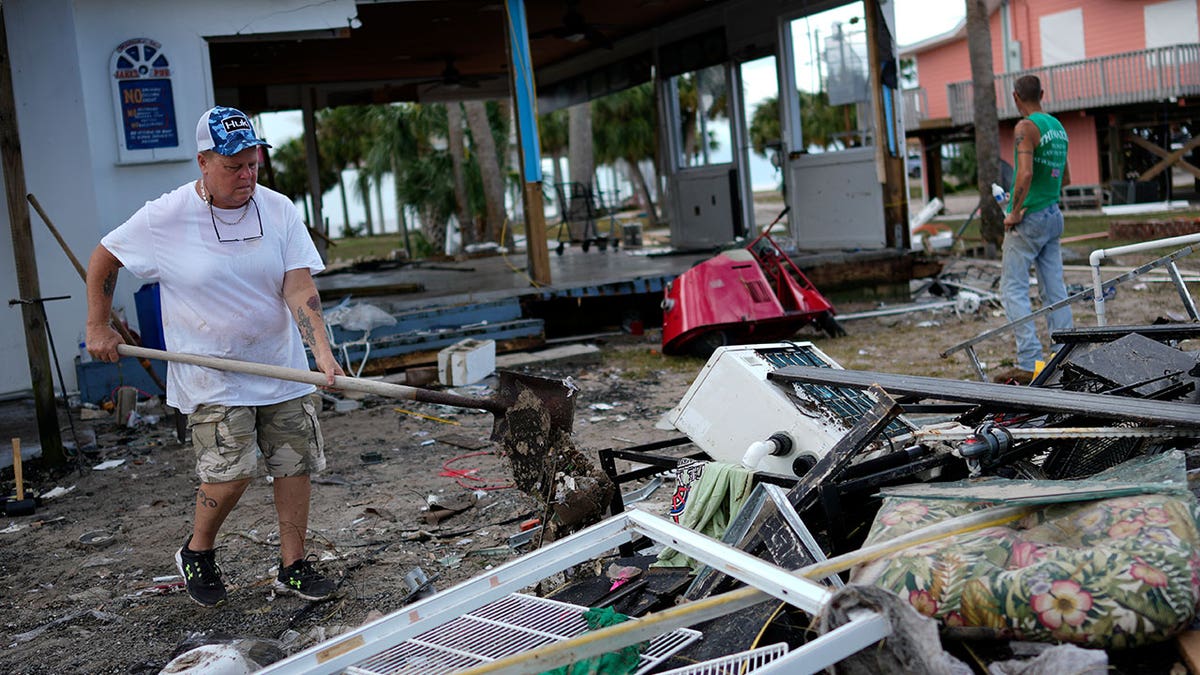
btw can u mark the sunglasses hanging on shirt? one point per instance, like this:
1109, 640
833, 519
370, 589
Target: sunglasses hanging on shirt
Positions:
245, 212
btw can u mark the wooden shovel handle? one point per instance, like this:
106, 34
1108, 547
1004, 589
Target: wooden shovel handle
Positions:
18, 473
310, 377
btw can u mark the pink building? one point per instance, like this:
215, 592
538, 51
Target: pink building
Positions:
1111, 70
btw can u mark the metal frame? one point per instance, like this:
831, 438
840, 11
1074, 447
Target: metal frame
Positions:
1002, 395
1097, 291
768, 580
1100, 254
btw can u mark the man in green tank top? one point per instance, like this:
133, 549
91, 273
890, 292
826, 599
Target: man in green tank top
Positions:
1033, 225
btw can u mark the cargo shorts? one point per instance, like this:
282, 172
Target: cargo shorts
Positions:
228, 440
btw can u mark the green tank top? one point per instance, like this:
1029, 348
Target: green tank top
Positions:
1049, 160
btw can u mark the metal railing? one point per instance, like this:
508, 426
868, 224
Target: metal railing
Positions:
1117, 79
1097, 293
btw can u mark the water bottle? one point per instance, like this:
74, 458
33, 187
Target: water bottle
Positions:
999, 195
84, 356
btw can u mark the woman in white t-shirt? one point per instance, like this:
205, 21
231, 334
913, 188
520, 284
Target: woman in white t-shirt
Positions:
234, 264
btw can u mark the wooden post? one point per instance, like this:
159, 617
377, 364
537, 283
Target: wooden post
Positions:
535, 234
525, 106
26, 263
889, 163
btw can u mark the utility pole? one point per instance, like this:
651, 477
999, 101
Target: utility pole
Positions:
25, 260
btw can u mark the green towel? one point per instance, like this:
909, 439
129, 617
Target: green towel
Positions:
619, 662
711, 505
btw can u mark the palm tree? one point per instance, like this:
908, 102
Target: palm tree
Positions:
491, 171
987, 123
458, 157
581, 160
343, 134
552, 132
423, 167
625, 130
289, 160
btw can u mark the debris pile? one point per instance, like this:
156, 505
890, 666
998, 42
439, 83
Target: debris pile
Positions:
942, 521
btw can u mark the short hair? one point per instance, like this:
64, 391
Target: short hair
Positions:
1028, 88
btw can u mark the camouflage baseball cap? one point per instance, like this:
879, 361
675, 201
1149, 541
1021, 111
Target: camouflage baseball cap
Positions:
226, 131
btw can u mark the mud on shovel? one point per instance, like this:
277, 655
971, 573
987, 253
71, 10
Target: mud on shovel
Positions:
552, 396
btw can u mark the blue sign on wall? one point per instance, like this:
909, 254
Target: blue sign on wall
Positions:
148, 114
144, 103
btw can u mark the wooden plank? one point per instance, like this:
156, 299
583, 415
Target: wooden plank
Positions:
1083, 237
379, 366
375, 289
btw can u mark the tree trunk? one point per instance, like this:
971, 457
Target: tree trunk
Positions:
345, 205
581, 164
379, 200
987, 131
434, 229
364, 189
401, 222
489, 169
466, 221
639, 183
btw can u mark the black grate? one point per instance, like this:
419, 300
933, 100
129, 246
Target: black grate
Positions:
846, 403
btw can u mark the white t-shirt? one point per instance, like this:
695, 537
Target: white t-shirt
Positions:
221, 299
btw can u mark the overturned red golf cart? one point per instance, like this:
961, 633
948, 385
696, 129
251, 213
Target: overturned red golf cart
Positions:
742, 296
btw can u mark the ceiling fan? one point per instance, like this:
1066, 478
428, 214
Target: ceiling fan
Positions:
452, 78
575, 28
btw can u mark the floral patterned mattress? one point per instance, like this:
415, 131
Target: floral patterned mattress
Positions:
1112, 573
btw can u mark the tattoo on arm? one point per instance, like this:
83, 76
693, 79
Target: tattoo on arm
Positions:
1018, 197
306, 327
204, 500
314, 303
110, 283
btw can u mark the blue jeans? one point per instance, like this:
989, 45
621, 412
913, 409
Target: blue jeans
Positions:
1034, 243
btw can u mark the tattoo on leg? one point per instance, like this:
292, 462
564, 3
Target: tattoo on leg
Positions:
205, 500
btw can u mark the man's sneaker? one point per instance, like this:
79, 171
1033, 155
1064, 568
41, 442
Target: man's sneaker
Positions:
302, 579
201, 574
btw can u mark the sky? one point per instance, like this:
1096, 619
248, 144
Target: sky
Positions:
916, 20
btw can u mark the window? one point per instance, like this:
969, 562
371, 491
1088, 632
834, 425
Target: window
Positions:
1171, 23
1062, 37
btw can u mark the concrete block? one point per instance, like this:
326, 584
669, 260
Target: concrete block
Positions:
466, 362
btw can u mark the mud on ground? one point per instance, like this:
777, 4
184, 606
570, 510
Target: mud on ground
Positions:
110, 606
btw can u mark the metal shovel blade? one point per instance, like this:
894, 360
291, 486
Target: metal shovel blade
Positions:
553, 397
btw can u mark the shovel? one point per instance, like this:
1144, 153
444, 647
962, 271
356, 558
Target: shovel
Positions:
20, 506
552, 396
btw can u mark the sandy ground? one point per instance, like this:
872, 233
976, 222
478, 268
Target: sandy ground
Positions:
109, 602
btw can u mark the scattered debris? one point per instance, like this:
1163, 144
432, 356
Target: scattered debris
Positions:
70, 618
108, 464
441, 508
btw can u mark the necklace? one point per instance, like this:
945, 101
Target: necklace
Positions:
208, 200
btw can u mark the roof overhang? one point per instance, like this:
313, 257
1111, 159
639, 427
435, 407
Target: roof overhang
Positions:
425, 50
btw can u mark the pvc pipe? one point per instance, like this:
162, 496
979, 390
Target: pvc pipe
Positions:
1102, 253
756, 452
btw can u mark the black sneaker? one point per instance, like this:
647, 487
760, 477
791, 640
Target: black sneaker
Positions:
201, 574
302, 579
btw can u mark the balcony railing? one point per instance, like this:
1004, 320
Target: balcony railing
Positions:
1118, 79
916, 107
